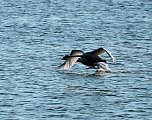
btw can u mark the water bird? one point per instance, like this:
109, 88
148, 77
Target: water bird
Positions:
90, 59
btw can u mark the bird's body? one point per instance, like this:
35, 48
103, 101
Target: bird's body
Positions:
94, 58
86, 62
90, 59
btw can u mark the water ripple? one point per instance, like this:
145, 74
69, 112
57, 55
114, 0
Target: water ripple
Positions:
35, 35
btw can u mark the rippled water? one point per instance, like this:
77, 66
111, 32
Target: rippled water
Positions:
35, 34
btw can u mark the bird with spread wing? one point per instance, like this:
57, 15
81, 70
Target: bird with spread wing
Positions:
91, 59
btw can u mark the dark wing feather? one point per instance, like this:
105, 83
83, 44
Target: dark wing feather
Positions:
71, 61
98, 51
76, 52
101, 50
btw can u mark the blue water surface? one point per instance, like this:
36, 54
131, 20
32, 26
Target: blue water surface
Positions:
36, 34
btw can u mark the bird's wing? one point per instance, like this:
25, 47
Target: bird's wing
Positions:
98, 51
72, 60
101, 50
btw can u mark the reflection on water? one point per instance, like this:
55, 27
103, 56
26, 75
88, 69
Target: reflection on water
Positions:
34, 36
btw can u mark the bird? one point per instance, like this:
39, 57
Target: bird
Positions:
91, 59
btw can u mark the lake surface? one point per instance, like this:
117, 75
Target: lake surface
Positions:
36, 34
